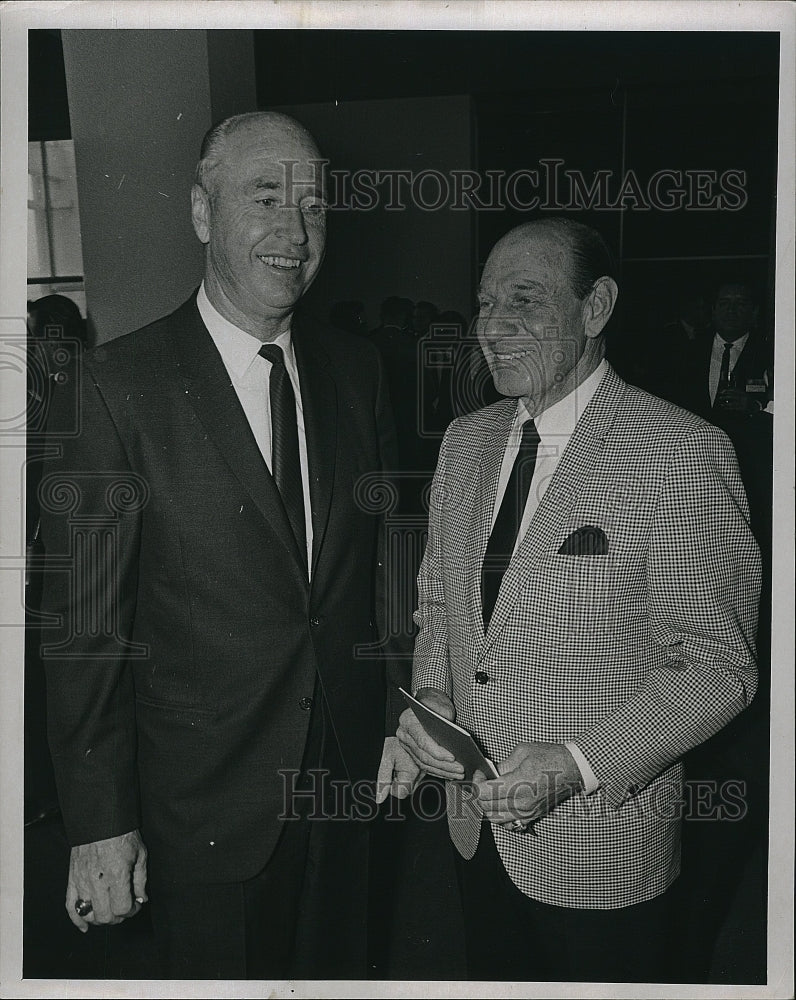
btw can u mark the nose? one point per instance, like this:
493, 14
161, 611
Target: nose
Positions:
497, 326
291, 225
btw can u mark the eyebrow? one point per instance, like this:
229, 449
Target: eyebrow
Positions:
519, 285
262, 183
527, 285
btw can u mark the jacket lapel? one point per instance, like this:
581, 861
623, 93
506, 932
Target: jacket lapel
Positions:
208, 389
319, 400
494, 441
545, 531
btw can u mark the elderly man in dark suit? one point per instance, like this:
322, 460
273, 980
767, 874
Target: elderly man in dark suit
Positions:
587, 609
214, 574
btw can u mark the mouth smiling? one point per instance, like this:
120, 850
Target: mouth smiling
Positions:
513, 356
283, 263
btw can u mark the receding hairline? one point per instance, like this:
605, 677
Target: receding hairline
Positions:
521, 236
569, 236
565, 229
274, 124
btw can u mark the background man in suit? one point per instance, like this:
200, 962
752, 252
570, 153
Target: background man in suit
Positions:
207, 659
725, 369
726, 376
587, 608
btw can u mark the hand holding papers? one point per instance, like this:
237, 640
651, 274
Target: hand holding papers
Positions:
460, 746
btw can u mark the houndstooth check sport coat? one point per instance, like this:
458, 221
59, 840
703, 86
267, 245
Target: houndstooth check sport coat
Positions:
637, 655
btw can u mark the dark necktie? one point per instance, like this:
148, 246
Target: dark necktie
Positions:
507, 523
285, 461
724, 371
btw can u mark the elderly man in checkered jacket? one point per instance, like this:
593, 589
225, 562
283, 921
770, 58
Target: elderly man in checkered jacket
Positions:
587, 610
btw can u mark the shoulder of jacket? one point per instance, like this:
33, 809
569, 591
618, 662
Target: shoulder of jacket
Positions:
467, 433
149, 340
653, 413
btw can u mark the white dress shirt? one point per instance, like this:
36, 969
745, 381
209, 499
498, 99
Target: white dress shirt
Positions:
555, 426
716, 354
251, 375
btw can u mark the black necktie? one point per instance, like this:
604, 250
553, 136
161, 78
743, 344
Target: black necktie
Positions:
507, 523
284, 444
724, 371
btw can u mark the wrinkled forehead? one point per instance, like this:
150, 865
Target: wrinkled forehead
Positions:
282, 156
539, 257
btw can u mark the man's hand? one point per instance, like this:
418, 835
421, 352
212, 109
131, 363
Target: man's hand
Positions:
398, 772
433, 758
736, 400
109, 874
534, 779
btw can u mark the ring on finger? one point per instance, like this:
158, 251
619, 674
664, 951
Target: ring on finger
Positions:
83, 907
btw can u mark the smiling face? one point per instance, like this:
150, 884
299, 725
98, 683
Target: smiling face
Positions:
540, 341
263, 221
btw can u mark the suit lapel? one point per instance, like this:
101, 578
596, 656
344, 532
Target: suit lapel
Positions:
319, 401
750, 363
495, 439
571, 474
704, 402
208, 389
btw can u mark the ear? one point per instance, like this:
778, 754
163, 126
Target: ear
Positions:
599, 305
200, 213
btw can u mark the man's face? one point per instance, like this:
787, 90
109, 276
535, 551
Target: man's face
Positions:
530, 322
734, 312
264, 222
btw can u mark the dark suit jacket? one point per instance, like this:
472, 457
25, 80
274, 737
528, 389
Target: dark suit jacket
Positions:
687, 384
191, 637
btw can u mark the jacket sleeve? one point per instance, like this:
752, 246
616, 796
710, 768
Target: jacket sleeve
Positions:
90, 527
431, 660
703, 582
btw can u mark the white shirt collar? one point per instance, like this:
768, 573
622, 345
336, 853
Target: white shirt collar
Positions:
559, 419
736, 345
237, 348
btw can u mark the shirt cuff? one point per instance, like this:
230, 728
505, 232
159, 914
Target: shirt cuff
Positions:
590, 782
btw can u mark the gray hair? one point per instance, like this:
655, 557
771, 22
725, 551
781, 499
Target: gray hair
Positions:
215, 140
589, 255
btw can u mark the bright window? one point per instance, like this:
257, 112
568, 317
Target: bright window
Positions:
55, 253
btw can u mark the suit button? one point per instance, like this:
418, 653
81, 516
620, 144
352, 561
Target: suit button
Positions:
314, 622
305, 704
481, 677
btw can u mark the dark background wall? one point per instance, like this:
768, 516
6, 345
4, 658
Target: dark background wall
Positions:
618, 101
420, 254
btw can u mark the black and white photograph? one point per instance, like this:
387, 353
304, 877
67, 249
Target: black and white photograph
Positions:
397, 499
